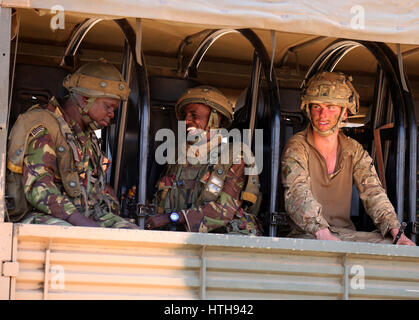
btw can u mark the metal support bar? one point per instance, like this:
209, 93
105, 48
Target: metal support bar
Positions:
187, 41
5, 34
122, 117
300, 46
190, 70
410, 52
275, 114
345, 278
390, 66
77, 37
379, 153
411, 144
401, 68
143, 103
255, 83
46, 271
376, 108
14, 258
203, 275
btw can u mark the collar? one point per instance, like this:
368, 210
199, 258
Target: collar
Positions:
344, 145
54, 106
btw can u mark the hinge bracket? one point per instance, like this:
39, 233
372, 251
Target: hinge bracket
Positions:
10, 269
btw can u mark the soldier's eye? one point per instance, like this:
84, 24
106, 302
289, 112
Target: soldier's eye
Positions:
108, 108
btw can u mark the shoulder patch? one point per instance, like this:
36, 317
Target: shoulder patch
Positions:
35, 131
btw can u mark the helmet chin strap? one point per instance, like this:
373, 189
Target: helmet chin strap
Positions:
84, 111
330, 131
213, 122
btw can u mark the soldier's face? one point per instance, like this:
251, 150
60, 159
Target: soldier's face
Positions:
196, 117
324, 116
103, 110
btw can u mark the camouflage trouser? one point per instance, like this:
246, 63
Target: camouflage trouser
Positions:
242, 224
248, 225
102, 218
348, 235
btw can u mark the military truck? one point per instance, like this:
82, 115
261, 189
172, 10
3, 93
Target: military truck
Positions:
259, 55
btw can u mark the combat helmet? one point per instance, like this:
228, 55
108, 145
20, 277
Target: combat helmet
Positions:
97, 79
209, 96
331, 87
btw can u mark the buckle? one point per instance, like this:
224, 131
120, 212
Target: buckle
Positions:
180, 183
144, 210
279, 218
415, 227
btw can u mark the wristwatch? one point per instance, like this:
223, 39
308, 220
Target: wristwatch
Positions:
174, 217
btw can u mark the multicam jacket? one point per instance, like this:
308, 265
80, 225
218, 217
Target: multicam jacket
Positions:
43, 181
188, 188
299, 180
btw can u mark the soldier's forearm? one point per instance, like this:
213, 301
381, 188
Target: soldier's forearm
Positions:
212, 215
303, 209
47, 198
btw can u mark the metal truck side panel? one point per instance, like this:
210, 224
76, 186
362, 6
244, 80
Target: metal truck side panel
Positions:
95, 263
7, 267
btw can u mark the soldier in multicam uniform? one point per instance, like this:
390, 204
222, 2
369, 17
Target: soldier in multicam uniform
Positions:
55, 157
320, 164
203, 195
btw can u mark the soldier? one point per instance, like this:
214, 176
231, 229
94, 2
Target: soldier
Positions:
206, 196
54, 158
320, 164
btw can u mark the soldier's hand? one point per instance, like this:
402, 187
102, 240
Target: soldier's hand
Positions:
77, 219
109, 190
157, 221
403, 240
325, 234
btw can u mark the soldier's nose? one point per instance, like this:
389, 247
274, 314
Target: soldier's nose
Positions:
188, 120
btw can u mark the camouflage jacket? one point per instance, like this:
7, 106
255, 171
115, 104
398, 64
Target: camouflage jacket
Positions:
42, 180
186, 188
305, 210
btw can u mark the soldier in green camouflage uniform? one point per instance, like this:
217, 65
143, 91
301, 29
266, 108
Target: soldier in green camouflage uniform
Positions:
64, 169
320, 164
207, 197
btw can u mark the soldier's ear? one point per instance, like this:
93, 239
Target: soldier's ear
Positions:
345, 115
80, 99
221, 120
